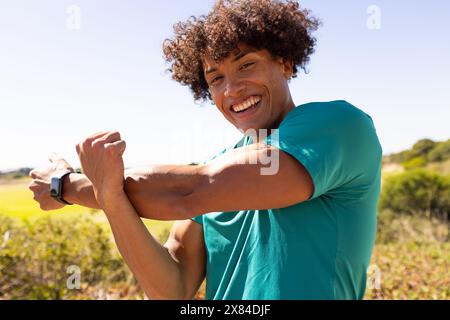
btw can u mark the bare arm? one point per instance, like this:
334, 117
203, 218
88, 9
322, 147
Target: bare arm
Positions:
173, 271
230, 182
155, 191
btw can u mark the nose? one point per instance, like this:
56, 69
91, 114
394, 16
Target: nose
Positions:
234, 88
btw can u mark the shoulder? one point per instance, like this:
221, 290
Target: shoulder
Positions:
333, 117
336, 110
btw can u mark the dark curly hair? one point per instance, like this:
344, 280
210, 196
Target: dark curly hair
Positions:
281, 27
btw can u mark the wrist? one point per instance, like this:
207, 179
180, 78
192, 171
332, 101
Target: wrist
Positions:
72, 186
109, 198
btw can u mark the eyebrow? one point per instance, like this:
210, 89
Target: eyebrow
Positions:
239, 56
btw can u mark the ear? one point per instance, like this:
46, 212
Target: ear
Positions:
287, 66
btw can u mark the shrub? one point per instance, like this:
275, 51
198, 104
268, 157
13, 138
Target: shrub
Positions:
440, 152
417, 192
34, 261
414, 163
422, 147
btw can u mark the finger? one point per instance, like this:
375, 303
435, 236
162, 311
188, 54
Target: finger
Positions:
110, 137
117, 148
35, 174
36, 184
78, 148
97, 135
88, 141
59, 162
53, 157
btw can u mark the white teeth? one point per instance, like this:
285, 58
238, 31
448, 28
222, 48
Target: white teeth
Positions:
246, 104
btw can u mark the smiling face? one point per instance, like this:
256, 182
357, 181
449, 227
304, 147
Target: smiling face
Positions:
250, 88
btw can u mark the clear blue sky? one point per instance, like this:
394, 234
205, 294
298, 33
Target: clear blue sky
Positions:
59, 85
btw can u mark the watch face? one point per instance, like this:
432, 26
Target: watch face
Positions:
54, 187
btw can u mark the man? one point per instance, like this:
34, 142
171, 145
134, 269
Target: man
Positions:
303, 231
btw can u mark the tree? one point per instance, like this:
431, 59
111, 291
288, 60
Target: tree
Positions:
422, 147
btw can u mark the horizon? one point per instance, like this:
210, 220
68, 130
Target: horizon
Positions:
15, 169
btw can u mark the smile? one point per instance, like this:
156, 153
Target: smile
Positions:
250, 103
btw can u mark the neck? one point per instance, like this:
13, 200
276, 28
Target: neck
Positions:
276, 124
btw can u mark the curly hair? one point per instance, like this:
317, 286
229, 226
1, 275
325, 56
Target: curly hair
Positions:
281, 27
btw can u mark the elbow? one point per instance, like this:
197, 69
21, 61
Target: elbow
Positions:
176, 292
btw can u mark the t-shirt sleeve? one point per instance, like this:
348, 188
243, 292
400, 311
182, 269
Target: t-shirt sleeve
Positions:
335, 142
198, 219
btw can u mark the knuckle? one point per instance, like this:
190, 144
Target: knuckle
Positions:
97, 144
86, 143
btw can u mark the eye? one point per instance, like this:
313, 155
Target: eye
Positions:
216, 79
247, 65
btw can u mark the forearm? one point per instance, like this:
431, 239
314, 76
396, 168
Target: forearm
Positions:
160, 192
157, 192
154, 267
77, 189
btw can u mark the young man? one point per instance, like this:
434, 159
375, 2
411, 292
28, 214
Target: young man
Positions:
305, 230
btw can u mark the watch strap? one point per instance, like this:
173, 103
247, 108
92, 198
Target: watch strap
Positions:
56, 187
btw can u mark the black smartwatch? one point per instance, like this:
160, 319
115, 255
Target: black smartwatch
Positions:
56, 186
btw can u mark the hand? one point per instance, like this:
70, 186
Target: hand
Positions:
40, 185
101, 160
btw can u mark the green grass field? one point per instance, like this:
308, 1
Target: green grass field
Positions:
16, 200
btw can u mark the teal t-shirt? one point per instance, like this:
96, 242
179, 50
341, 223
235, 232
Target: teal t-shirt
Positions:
318, 249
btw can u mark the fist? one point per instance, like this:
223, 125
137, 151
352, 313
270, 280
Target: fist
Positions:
40, 184
101, 160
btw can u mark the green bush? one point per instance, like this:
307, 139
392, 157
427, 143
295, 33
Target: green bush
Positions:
418, 192
423, 147
423, 152
35, 261
440, 152
414, 163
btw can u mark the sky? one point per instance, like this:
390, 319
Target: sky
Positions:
72, 68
